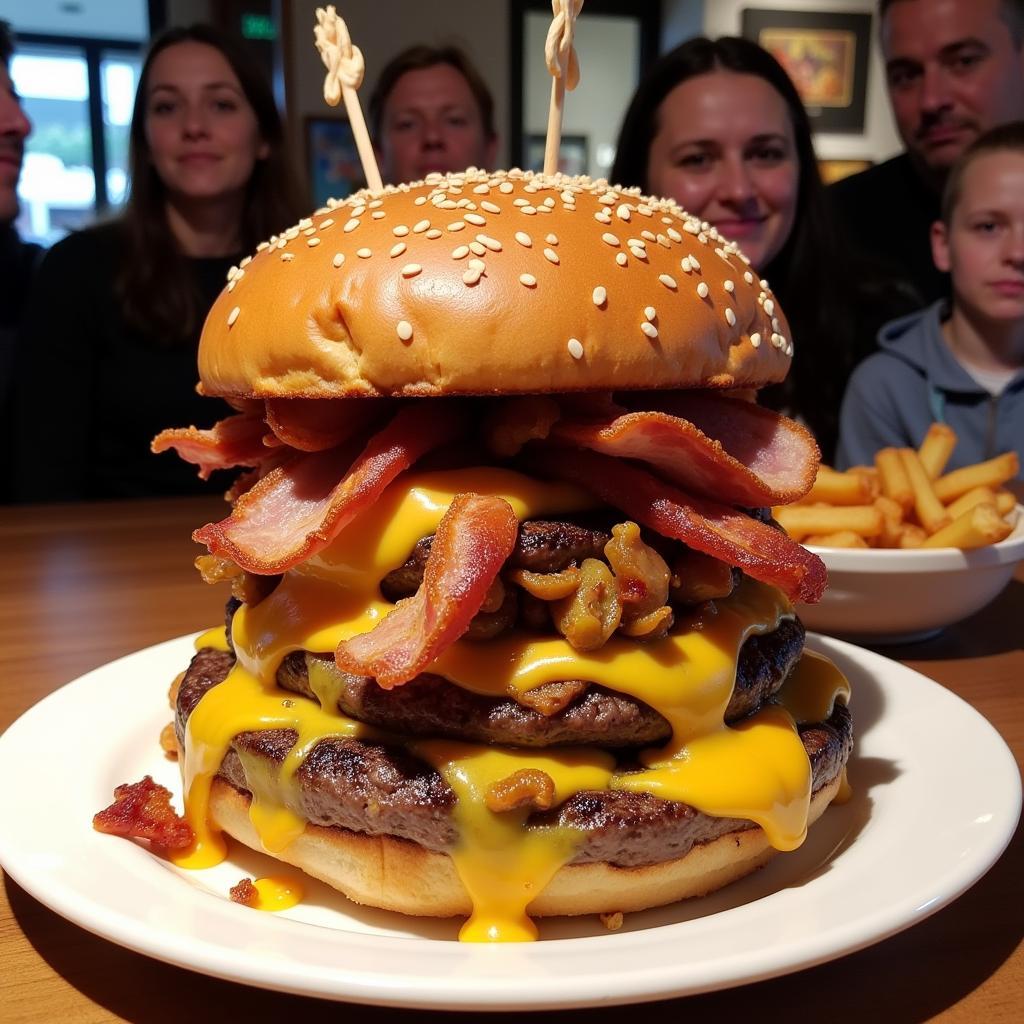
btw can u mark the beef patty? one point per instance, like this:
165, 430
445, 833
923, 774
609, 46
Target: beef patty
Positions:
380, 788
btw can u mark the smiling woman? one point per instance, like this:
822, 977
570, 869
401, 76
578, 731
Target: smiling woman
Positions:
718, 126
209, 181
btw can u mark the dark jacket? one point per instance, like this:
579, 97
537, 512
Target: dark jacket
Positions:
913, 381
91, 390
886, 215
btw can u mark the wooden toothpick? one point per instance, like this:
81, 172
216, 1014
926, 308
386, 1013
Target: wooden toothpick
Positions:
345, 68
560, 55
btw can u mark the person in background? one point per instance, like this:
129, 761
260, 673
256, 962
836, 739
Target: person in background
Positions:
719, 127
108, 352
18, 259
959, 362
954, 69
431, 111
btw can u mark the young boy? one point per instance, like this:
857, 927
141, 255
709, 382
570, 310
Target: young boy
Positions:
960, 363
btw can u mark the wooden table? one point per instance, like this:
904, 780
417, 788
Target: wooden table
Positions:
82, 584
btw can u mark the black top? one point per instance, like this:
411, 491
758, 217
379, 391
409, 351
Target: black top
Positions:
886, 213
18, 262
91, 391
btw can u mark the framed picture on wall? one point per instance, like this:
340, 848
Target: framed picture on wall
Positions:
835, 170
332, 159
826, 56
573, 154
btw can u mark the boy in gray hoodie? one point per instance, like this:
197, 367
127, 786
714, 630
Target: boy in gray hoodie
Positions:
960, 363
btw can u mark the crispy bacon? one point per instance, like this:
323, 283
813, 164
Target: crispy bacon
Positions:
723, 448
142, 810
299, 507
472, 542
235, 441
245, 892
316, 424
718, 530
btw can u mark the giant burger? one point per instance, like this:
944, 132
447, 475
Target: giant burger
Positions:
511, 631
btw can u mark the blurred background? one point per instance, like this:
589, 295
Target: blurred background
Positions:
77, 63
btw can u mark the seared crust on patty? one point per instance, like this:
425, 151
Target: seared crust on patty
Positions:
431, 706
376, 788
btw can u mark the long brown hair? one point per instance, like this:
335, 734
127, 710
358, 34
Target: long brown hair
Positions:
157, 292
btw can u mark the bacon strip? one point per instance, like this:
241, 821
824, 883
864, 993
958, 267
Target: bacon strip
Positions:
142, 810
723, 448
473, 541
316, 424
299, 507
235, 441
718, 530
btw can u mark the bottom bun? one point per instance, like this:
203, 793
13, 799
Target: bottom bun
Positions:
397, 874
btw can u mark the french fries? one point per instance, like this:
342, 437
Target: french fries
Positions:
906, 500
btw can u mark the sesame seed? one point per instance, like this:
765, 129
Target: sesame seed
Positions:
694, 263
551, 256
702, 290
492, 243
506, 187
447, 204
400, 230
482, 189
312, 242
262, 246
327, 223
287, 257
674, 235
575, 348
472, 276
603, 216
648, 236
639, 253
667, 281
420, 226
649, 329
702, 238
231, 285
339, 258
460, 252
231, 273
374, 203
621, 258
769, 307
520, 202
552, 239
292, 233
233, 316
397, 249
530, 210
610, 238
764, 284
645, 210
755, 340
549, 202
352, 224
730, 317
456, 225
524, 239
777, 340
748, 277
309, 231
650, 313
477, 248
404, 330
420, 200
364, 253
478, 265
305, 222
474, 218
600, 296
622, 212
608, 198
246, 260
490, 207
729, 286
528, 279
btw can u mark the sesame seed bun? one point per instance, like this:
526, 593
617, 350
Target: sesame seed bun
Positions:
480, 283
400, 875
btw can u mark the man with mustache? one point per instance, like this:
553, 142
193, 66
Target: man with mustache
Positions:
954, 69
18, 259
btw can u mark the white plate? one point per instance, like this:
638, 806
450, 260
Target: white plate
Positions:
917, 833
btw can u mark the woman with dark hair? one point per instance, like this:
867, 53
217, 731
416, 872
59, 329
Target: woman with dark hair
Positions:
718, 126
110, 335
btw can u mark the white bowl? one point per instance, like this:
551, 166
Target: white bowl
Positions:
881, 595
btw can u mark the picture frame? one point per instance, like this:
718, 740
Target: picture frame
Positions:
825, 54
832, 170
332, 159
573, 154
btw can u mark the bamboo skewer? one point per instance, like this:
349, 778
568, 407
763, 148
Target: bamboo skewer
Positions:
564, 67
345, 69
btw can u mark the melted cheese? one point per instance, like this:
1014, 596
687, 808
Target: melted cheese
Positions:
277, 892
688, 677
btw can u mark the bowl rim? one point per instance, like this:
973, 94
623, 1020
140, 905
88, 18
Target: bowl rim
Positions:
920, 560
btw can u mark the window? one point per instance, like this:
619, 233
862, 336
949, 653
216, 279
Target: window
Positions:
79, 96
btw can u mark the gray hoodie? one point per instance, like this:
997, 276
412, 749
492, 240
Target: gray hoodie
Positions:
913, 381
